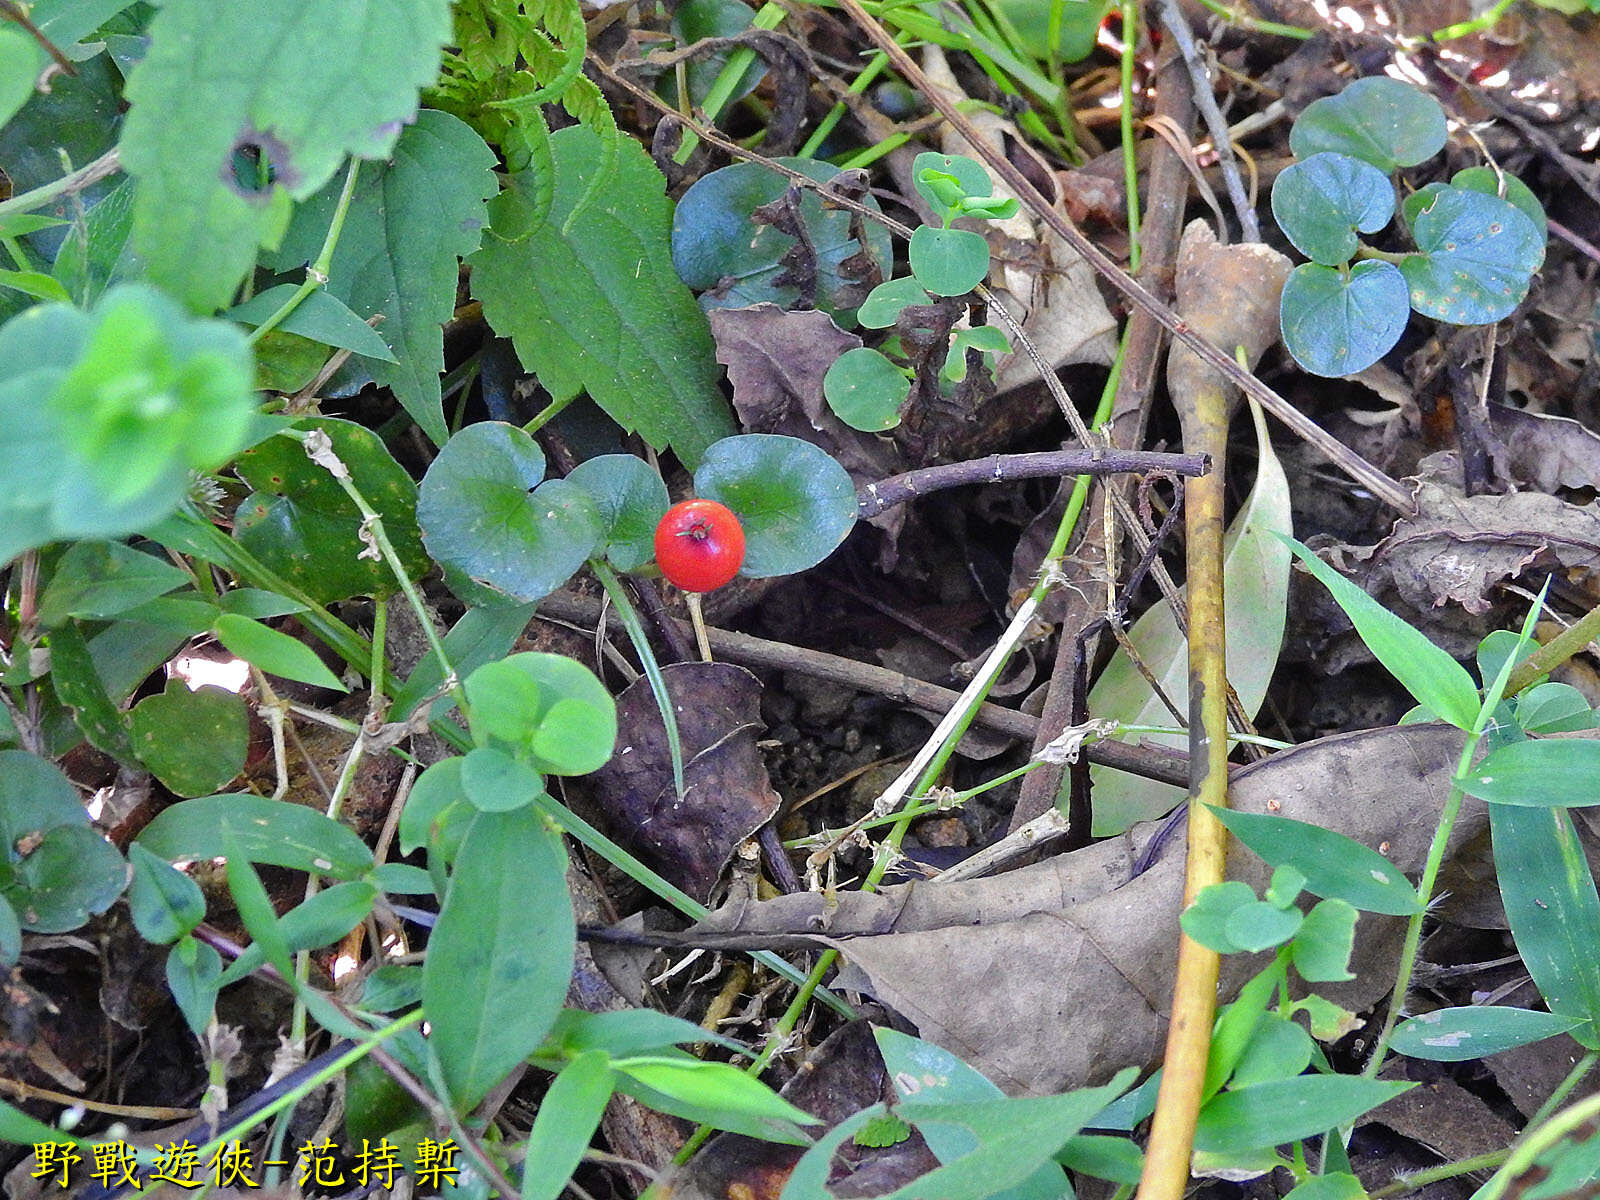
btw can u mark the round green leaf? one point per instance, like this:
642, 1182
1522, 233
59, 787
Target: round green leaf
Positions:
302, 525
948, 262
630, 498
865, 390
795, 502
1474, 1030
1478, 254
484, 513
193, 741
1518, 194
1260, 925
495, 782
1323, 201
1321, 950
1338, 324
719, 251
882, 306
1381, 121
1205, 921
546, 707
969, 174
69, 876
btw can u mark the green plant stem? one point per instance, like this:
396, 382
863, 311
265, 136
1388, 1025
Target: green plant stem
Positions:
727, 81
1484, 20
312, 1082
208, 542
1556, 651
1483, 1162
317, 272
372, 524
859, 84
586, 834
106, 165
547, 414
873, 153
1130, 149
1430, 869
1389, 256
1246, 21
647, 657
1534, 1144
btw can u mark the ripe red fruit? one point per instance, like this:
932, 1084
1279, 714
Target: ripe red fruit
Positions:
699, 545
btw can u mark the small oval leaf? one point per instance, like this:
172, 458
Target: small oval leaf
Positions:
865, 390
948, 262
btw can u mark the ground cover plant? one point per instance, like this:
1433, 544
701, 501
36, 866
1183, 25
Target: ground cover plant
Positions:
573, 622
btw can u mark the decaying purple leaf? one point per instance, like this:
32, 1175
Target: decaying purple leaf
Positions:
727, 795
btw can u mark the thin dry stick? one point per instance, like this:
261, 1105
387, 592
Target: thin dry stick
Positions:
1178, 25
1386, 489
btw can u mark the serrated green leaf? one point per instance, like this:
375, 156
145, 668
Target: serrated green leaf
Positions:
1337, 323
268, 831
1256, 582
1382, 121
1322, 202
501, 953
484, 512
408, 223
1478, 254
600, 309
302, 525
320, 81
1426, 671
1474, 1031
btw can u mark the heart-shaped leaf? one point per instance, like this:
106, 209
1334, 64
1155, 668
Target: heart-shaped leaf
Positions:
1322, 202
948, 262
1517, 194
484, 512
1478, 254
795, 502
865, 390
193, 741
1336, 323
630, 499
1381, 121
719, 251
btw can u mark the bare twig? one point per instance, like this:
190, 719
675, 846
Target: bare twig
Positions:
897, 489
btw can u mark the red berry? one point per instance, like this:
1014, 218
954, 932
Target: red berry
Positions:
699, 545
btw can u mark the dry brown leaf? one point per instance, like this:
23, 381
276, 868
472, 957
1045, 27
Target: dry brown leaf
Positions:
1057, 975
